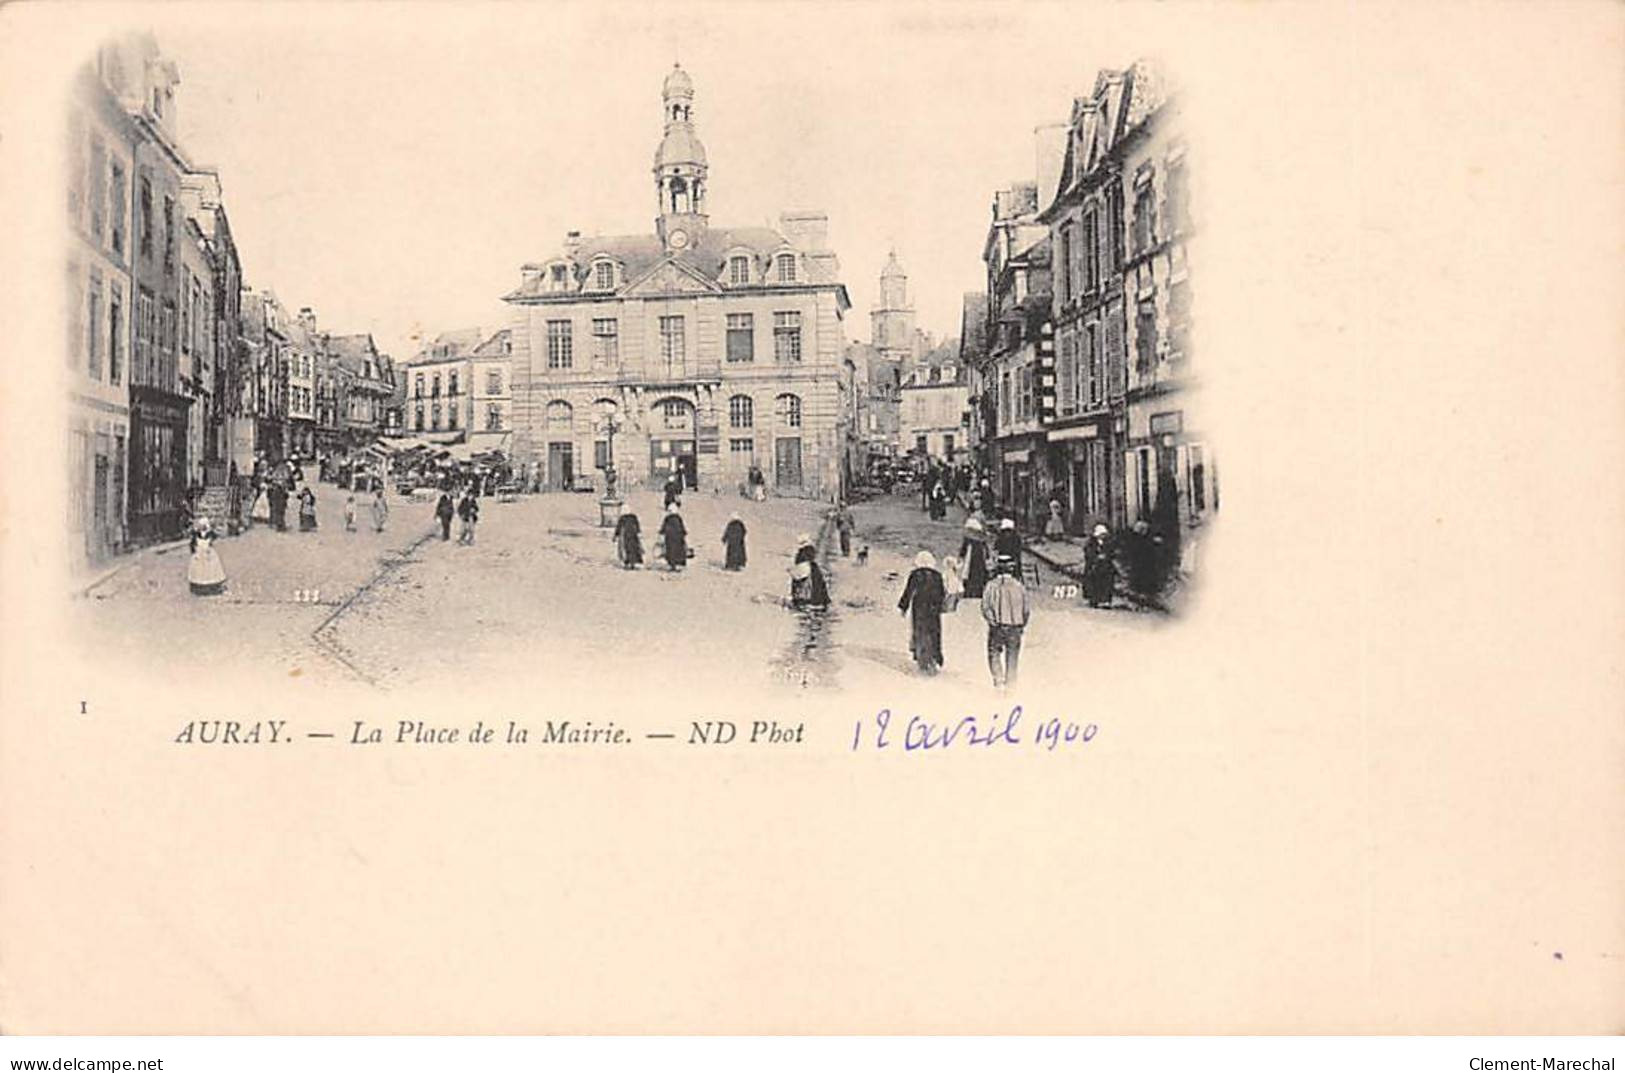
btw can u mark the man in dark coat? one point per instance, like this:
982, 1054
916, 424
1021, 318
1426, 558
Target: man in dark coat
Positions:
674, 538
733, 543
923, 597
674, 491
628, 539
444, 511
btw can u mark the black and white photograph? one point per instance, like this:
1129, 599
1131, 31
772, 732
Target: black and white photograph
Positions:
780, 519
607, 392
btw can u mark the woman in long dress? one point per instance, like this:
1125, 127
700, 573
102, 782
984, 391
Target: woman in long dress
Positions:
733, 543
674, 537
1099, 572
808, 590
973, 553
380, 509
628, 539
923, 597
204, 573
307, 509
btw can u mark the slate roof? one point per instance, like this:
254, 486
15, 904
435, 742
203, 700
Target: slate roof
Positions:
638, 254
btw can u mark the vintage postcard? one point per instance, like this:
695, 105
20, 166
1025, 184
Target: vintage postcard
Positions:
743, 518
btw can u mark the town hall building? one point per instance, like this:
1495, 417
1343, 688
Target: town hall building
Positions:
695, 349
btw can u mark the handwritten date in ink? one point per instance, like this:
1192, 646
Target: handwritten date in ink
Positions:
1001, 730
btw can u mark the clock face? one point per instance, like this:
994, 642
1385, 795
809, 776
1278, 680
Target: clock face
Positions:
679, 239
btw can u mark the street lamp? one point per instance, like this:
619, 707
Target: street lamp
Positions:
609, 507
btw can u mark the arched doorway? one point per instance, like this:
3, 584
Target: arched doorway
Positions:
561, 462
671, 441
787, 475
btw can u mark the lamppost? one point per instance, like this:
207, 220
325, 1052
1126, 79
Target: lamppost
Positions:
609, 507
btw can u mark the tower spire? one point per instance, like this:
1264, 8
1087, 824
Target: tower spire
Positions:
679, 167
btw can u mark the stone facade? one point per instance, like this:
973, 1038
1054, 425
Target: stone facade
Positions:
694, 349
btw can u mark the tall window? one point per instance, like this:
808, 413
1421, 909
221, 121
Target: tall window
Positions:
434, 388
787, 408
738, 270
1066, 373
559, 345
1145, 213
115, 200
144, 211
606, 342
1177, 196
1145, 338
93, 329
451, 383
145, 318
1094, 372
98, 176
1006, 397
1063, 278
493, 381
493, 418
417, 418
1091, 249
418, 386
603, 277
1179, 320
741, 337
169, 234
741, 412
115, 336
787, 336
786, 264
673, 345
451, 414
1114, 223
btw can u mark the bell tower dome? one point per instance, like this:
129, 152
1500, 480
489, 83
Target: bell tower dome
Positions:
679, 166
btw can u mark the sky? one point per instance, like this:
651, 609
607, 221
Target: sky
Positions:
392, 167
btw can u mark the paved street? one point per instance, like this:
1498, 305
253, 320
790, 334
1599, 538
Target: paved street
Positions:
540, 597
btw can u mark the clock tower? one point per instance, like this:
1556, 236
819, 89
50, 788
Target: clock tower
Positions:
679, 167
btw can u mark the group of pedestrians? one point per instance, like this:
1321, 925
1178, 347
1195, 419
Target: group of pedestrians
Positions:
466, 510
1002, 595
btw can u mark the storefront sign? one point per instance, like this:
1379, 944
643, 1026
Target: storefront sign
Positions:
1017, 456
1167, 423
1081, 432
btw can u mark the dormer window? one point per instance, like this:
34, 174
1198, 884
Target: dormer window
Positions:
738, 270
560, 276
603, 276
786, 265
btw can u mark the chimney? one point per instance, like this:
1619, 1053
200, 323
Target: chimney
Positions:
1050, 142
307, 319
572, 244
807, 229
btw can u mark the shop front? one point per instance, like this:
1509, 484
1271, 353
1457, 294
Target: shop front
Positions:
158, 437
1083, 460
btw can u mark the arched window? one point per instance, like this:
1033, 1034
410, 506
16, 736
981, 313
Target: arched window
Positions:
738, 269
603, 275
741, 412
786, 264
560, 416
676, 414
787, 409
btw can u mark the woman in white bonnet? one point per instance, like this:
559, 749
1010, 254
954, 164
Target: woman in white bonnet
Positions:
923, 598
204, 573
